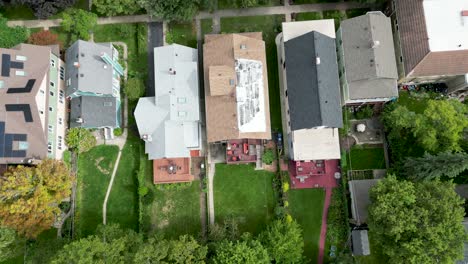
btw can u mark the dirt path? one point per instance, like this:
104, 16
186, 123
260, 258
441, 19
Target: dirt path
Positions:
109, 188
323, 230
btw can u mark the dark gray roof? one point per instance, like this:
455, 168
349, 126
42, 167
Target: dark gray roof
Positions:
93, 74
95, 111
360, 198
313, 82
360, 243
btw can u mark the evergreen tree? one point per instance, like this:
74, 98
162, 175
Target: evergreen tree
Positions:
430, 166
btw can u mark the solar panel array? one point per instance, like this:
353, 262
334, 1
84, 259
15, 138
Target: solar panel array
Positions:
7, 64
6, 143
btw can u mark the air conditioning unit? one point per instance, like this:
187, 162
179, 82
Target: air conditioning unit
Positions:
79, 120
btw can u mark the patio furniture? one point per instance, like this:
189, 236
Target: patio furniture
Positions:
229, 152
298, 163
301, 180
300, 169
234, 158
246, 148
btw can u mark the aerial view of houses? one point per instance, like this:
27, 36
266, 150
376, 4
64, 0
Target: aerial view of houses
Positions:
232, 131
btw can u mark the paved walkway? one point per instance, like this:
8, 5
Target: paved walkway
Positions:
211, 173
323, 231
256, 11
109, 188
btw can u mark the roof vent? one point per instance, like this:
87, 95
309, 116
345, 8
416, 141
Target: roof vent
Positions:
172, 71
104, 66
146, 138
82, 54
79, 120
317, 60
81, 75
375, 44
76, 64
243, 46
231, 82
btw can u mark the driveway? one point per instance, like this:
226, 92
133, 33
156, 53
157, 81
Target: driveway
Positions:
155, 39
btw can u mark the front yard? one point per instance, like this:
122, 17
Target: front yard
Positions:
306, 207
244, 194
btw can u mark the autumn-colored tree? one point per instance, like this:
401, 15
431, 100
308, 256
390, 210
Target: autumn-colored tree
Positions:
29, 196
43, 38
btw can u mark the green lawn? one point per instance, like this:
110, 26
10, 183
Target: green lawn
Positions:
245, 194
182, 33
122, 207
94, 173
206, 26
233, 4
367, 158
308, 16
270, 26
300, 2
306, 207
14, 12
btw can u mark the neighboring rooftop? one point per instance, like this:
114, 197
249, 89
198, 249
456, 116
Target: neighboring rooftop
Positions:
87, 70
360, 199
369, 57
360, 240
95, 112
430, 33
23, 128
295, 29
237, 104
170, 122
313, 82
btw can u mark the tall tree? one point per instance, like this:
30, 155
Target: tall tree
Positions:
44, 38
30, 196
10, 244
79, 23
46, 8
11, 36
284, 241
432, 166
80, 139
171, 10
417, 222
247, 251
110, 245
116, 7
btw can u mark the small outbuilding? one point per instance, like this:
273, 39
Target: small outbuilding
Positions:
360, 241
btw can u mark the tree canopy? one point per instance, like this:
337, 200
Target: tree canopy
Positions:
171, 10
80, 139
433, 166
10, 244
44, 38
78, 23
247, 251
437, 127
46, 8
116, 7
30, 196
11, 36
284, 242
417, 222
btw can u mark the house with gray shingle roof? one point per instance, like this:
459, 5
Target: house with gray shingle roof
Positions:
169, 122
310, 90
366, 57
93, 84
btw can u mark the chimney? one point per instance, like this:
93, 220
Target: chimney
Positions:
317, 60
171, 71
375, 44
76, 64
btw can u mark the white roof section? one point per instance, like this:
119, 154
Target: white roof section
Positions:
295, 29
316, 144
169, 122
446, 28
250, 97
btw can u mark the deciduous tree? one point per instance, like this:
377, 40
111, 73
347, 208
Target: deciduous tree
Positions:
80, 139
11, 36
116, 7
30, 196
247, 251
284, 241
78, 23
44, 38
10, 244
417, 222
171, 10
46, 8
432, 166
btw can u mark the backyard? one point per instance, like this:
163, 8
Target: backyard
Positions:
244, 194
271, 27
306, 207
94, 173
367, 157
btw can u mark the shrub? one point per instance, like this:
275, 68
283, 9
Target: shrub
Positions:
118, 132
285, 187
143, 190
44, 38
268, 156
365, 112
11, 36
80, 139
